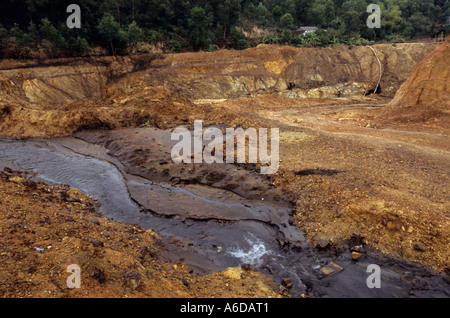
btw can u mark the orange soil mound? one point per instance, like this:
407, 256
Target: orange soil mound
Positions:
425, 96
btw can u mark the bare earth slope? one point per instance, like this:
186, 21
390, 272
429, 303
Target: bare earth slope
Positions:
425, 96
56, 98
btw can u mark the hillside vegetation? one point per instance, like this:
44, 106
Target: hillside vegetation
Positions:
37, 28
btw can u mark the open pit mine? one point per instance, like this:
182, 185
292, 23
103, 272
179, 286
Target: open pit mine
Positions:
87, 177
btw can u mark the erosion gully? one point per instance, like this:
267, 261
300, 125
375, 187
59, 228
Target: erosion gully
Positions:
209, 228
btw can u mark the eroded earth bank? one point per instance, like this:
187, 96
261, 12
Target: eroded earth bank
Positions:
364, 166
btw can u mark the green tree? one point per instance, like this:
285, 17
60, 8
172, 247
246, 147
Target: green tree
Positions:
311, 39
114, 24
111, 32
174, 46
33, 32
425, 7
164, 14
134, 34
392, 17
323, 12
4, 37
250, 11
242, 44
271, 38
22, 41
303, 11
288, 6
277, 12
421, 25
445, 11
286, 36
228, 14
78, 45
261, 13
52, 40
354, 16
198, 22
236, 37
287, 21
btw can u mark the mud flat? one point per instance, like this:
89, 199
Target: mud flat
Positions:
211, 217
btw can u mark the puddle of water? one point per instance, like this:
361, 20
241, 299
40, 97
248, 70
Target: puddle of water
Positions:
55, 165
221, 228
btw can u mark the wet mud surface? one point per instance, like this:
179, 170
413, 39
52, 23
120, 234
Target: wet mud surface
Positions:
213, 216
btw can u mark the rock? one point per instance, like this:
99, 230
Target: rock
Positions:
8, 170
233, 272
297, 246
338, 90
47, 220
330, 269
133, 279
95, 221
323, 242
17, 179
356, 255
74, 195
287, 283
97, 243
31, 183
420, 247
185, 282
40, 250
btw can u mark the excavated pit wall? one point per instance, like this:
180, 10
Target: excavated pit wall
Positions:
266, 68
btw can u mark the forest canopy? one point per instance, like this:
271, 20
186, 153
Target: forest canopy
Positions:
119, 26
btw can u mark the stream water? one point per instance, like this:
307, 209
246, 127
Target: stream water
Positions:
209, 229
222, 230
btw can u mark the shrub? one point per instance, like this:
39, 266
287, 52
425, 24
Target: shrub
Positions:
174, 46
242, 44
213, 48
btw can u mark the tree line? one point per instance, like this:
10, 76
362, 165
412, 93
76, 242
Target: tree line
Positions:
118, 26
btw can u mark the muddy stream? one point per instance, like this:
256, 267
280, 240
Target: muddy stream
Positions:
207, 227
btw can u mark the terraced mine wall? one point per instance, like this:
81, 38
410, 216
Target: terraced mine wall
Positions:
49, 98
